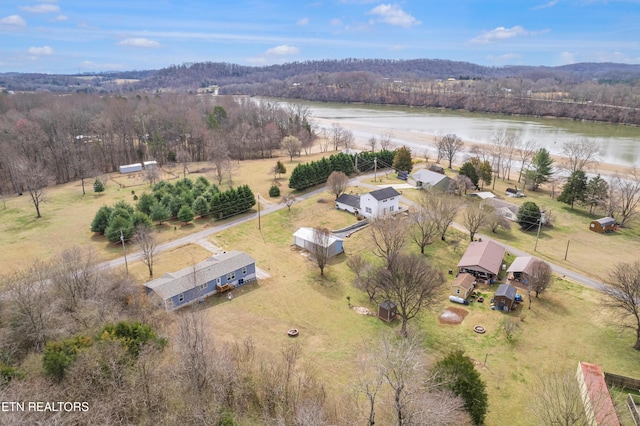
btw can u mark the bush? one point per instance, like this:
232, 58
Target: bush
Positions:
274, 191
101, 219
58, 356
98, 186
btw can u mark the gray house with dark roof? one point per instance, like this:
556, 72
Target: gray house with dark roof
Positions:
348, 202
216, 274
505, 297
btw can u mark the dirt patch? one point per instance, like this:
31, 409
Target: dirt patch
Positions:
362, 310
452, 316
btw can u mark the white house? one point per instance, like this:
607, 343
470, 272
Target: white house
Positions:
380, 202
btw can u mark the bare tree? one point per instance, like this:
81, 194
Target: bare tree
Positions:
580, 154
373, 142
473, 217
460, 185
385, 140
324, 140
364, 275
540, 276
75, 276
512, 142
442, 208
292, 145
288, 200
146, 241
195, 348
509, 327
183, 157
34, 176
411, 283
622, 296
321, 247
424, 229
526, 152
448, 147
495, 220
151, 174
557, 400
337, 183
389, 235
627, 190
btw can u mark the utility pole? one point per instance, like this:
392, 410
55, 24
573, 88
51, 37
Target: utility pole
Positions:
567, 251
538, 235
126, 265
259, 212
375, 168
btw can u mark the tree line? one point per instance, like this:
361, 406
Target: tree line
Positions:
47, 138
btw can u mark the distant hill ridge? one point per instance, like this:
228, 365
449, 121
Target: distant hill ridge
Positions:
190, 76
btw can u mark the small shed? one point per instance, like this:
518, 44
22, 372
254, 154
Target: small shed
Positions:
602, 225
436, 168
387, 311
463, 285
505, 297
303, 238
483, 195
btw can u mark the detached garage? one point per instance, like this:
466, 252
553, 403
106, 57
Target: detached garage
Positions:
303, 238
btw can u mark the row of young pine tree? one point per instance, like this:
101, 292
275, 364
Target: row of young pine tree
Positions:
317, 172
184, 200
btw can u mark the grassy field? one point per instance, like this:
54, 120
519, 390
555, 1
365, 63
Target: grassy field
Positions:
563, 326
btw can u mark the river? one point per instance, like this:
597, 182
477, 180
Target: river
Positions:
417, 127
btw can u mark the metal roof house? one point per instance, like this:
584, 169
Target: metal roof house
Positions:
482, 259
429, 179
213, 275
595, 395
303, 238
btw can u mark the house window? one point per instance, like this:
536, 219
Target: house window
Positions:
244, 270
391, 208
384, 201
181, 297
231, 276
219, 281
457, 291
368, 210
203, 286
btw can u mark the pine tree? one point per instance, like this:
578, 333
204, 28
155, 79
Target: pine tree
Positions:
185, 214
98, 186
159, 213
542, 169
200, 206
469, 171
529, 215
402, 160
575, 189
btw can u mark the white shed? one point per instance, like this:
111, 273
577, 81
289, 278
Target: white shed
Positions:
303, 238
131, 168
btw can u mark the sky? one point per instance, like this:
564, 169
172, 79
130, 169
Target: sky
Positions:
79, 36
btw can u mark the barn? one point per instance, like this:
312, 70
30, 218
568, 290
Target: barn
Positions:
602, 225
303, 238
520, 269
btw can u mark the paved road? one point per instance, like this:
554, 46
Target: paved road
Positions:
272, 207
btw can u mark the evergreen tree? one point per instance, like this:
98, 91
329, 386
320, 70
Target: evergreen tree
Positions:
141, 219
542, 169
101, 219
529, 215
597, 193
469, 171
575, 189
200, 206
274, 191
116, 224
458, 373
98, 186
145, 202
159, 213
185, 214
402, 160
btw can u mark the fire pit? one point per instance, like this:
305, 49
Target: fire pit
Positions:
479, 329
293, 332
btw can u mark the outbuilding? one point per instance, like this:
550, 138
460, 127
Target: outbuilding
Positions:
505, 297
387, 311
520, 269
427, 179
462, 286
602, 225
304, 239
131, 168
482, 259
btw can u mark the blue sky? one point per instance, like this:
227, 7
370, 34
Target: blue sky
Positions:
72, 36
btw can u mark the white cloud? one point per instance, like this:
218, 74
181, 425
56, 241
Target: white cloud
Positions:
44, 50
546, 5
139, 42
282, 50
501, 33
60, 18
505, 58
302, 21
567, 58
335, 22
13, 21
393, 15
41, 8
